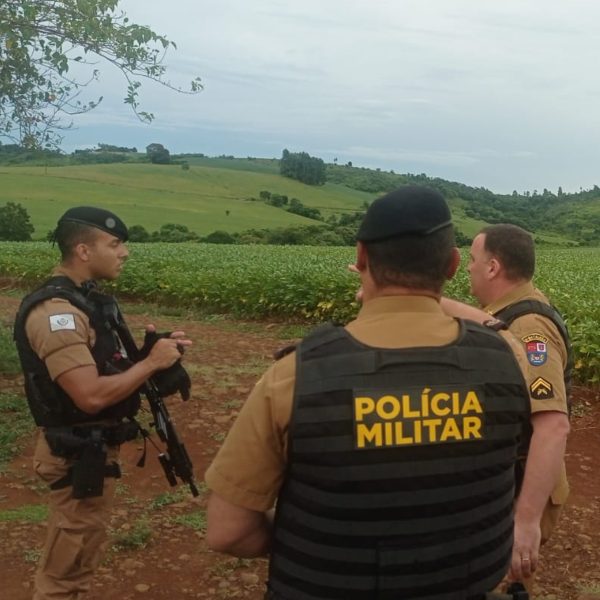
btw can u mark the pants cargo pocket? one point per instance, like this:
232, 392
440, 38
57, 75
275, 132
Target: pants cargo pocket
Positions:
64, 554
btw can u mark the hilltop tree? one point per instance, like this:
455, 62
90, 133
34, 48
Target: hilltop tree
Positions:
138, 233
15, 224
158, 154
303, 167
40, 43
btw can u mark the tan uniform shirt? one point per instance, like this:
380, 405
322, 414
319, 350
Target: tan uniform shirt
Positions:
249, 468
545, 348
60, 334
546, 363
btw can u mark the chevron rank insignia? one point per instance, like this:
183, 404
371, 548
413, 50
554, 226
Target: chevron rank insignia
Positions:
540, 389
536, 346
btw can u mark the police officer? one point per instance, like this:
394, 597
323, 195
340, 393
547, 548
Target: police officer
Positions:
387, 447
81, 390
501, 268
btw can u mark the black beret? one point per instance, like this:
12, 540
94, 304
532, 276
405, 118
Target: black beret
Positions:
410, 209
97, 217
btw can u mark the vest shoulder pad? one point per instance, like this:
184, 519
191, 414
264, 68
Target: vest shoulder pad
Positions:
56, 287
526, 307
323, 334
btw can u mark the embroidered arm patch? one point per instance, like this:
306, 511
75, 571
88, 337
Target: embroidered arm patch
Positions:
536, 346
541, 389
60, 322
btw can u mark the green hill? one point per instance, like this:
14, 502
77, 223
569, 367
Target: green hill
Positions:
223, 194
203, 198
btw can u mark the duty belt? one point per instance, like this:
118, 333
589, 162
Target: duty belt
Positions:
68, 442
86, 446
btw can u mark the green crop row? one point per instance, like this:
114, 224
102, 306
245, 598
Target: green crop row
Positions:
299, 283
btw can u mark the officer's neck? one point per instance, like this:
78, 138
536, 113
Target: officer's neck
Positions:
499, 288
372, 292
75, 274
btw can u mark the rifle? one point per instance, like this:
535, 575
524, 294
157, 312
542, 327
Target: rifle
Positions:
175, 461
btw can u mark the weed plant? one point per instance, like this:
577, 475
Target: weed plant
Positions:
15, 424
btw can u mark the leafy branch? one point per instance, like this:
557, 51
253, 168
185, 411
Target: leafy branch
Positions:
42, 41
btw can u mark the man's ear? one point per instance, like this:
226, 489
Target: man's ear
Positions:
494, 268
454, 263
82, 251
361, 256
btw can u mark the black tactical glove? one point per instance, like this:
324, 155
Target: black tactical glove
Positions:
173, 379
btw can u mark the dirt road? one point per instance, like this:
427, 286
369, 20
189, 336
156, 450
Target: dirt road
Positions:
158, 547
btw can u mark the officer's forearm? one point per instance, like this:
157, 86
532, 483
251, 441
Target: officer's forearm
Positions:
92, 392
237, 530
544, 461
254, 544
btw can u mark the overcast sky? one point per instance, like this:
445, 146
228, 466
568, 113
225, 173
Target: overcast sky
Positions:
504, 95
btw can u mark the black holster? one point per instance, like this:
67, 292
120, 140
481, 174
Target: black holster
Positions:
87, 446
88, 471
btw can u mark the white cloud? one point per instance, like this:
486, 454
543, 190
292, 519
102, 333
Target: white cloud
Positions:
499, 94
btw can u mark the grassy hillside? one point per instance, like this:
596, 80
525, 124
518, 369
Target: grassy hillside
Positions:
216, 194
151, 195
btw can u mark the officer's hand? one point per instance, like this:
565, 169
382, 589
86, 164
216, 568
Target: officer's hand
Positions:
359, 294
166, 352
172, 377
526, 548
152, 337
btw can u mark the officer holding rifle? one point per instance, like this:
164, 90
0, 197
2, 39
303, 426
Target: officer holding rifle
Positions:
83, 392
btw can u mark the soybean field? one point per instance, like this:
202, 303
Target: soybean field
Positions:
307, 284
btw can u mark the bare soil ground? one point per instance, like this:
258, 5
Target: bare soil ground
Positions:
158, 547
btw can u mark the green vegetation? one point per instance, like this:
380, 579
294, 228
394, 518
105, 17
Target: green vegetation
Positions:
15, 424
195, 520
137, 536
557, 218
15, 224
307, 284
197, 196
30, 513
9, 359
43, 40
32, 555
204, 199
303, 167
167, 498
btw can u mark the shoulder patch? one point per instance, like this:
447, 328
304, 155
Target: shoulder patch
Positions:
60, 322
536, 346
540, 389
495, 324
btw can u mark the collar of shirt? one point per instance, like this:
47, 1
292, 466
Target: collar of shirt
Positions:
395, 304
61, 271
521, 292
402, 322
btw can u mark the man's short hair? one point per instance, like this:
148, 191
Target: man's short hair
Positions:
69, 234
513, 247
412, 260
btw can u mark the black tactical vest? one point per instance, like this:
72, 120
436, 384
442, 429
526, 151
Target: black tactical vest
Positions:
526, 307
49, 404
400, 481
